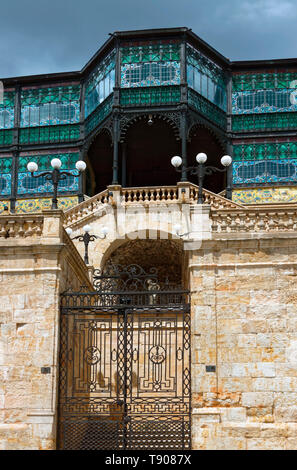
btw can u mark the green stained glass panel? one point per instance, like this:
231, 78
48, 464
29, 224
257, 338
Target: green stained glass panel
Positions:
265, 151
260, 152
150, 96
293, 149
49, 134
150, 53
6, 137
5, 165
270, 151
283, 150
264, 121
100, 113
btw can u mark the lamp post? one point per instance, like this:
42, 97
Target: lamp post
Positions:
86, 238
201, 171
56, 175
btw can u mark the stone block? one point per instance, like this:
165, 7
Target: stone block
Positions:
257, 399
287, 414
266, 444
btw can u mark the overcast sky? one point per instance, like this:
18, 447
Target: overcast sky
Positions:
46, 36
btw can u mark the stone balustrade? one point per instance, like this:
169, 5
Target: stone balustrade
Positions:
150, 194
21, 226
182, 193
85, 208
231, 221
216, 201
226, 216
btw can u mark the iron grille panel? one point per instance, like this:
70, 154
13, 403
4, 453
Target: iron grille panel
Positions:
125, 369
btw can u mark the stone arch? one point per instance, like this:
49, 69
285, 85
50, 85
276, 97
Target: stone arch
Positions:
166, 255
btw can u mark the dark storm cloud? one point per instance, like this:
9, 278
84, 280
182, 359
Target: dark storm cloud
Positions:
61, 35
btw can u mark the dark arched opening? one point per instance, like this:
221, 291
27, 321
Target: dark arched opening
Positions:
100, 157
166, 256
202, 140
146, 154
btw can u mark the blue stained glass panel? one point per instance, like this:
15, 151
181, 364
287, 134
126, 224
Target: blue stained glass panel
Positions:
265, 171
150, 74
7, 110
100, 84
6, 117
206, 78
264, 101
5, 184
50, 106
50, 114
29, 185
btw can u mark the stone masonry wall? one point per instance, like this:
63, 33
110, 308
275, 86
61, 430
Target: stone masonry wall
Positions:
244, 313
244, 319
36, 263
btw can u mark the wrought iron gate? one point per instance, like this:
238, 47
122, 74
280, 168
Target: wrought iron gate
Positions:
125, 364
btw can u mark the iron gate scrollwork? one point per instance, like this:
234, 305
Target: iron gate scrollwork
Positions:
125, 363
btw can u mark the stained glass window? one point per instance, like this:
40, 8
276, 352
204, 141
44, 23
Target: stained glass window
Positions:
207, 78
6, 137
264, 93
265, 121
5, 176
99, 115
29, 185
150, 96
150, 65
265, 150
7, 110
35, 135
100, 84
266, 171
267, 162
50, 106
206, 108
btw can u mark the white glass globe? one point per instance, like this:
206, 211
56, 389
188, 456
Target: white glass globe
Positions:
80, 165
201, 157
104, 231
32, 166
69, 231
226, 160
176, 161
87, 228
177, 229
56, 163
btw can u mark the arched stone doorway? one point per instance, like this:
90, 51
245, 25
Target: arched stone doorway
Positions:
166, 256
202, 139
125, 356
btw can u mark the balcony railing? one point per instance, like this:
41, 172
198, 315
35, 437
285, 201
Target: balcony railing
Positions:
187, 193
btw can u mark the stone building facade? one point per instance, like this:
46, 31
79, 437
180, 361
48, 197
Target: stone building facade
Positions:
241, 276
199, 348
